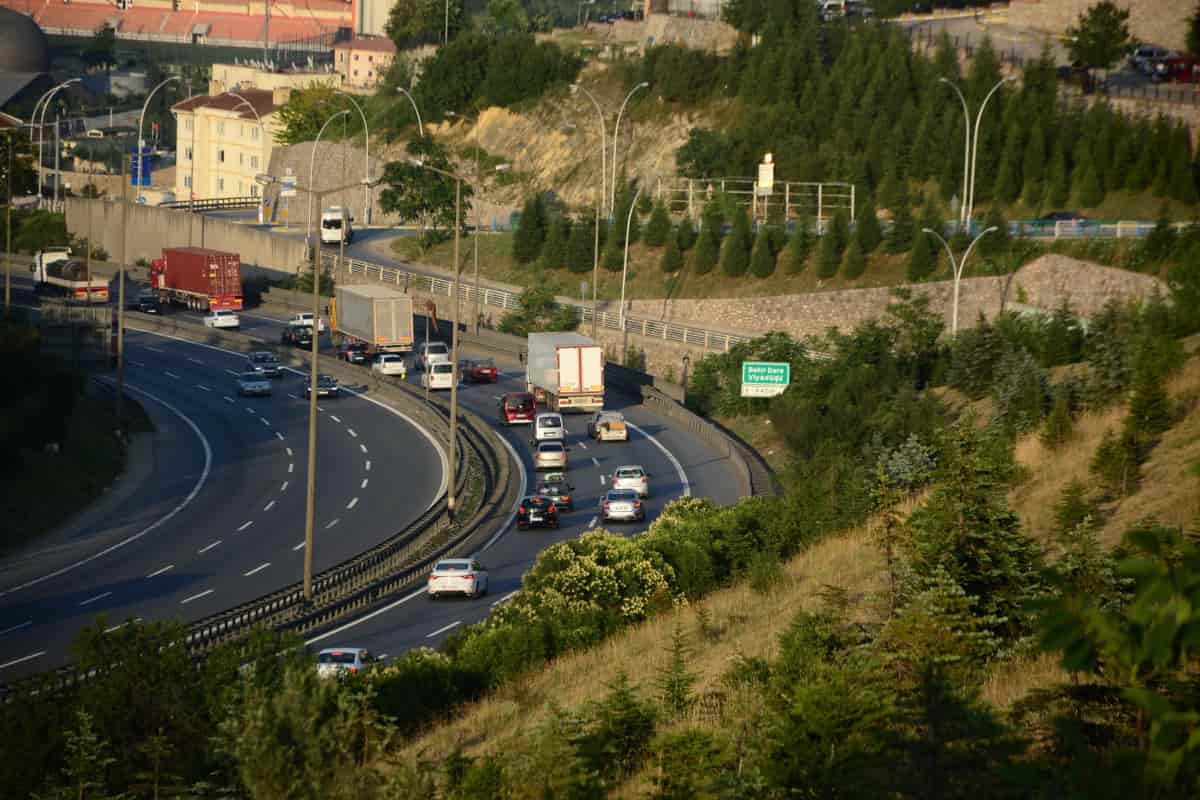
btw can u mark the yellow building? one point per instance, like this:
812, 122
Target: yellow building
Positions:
228, 77
222, 143
363, 62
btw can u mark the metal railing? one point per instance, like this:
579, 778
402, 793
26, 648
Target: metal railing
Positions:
789, 199
212, 203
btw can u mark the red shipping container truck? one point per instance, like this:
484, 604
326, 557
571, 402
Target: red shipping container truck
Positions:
199, 278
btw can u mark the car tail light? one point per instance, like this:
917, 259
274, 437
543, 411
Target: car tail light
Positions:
637, 503
521, 510
354, 670
605, 504
469, 577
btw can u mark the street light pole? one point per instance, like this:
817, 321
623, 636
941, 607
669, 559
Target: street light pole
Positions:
957, 268
962, 206
405, 92
367, 165
599, 202
45, 101
142, 122
975, 143
624, 272
616, 136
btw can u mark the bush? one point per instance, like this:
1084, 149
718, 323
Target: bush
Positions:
531, 231
1021, 392
672, 259
762, 256
855, 263
658, 228
1116, 466
973, 358
735, 250
685, 235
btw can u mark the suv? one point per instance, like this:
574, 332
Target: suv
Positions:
431, 352
548, 427
264, 362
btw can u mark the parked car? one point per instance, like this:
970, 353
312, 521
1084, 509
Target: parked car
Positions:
353, 352
253, 383
430, 352
632, 477
1143, 57
549, 427
623, 505
480, 371
550, 455
264, 362
517, 408
440, 375
390, 364
458, 576
608, 426
327, 386
333, 662
537, 512
297, 337
554, 487
222, 318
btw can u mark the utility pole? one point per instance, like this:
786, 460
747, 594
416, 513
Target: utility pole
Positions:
310, 508
8, 231
121, 309
450, 498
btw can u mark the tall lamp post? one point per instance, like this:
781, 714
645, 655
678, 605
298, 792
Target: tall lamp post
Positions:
616, 136
142, 121
45, 104
450, 496
599, 202
367, 150
624, 272
975, 142
417, 111
971, 147
957, 267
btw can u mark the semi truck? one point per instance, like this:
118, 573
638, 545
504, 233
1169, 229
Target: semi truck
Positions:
565, 371
376, 315
199, 278
55, 271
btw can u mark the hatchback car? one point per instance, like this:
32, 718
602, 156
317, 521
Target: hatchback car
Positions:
353, 352
632, 477
264, 362
458, 576
550, 455
389, 364
623, 505
481, 371
254, 383
517, 408
333, 662
537, 512
222, 318
554, 487
549, 428
440, 375
327, 386
432, 352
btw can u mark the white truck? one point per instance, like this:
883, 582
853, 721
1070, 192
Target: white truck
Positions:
55, 271
565, 371
305, 320
336, 226
377, 315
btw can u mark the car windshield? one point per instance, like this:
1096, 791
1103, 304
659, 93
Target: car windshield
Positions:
437, 347
250, 376
551, 447
520, 402
337, 657
552, 488
389, 359
264, 358
442, 369
325, 380
485, 364
622, 494
331, 224
629, 473
550, 422
452, 566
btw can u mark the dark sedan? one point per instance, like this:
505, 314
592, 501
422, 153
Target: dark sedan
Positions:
537, 512
327, 386
558, 491
297, 337
353, 352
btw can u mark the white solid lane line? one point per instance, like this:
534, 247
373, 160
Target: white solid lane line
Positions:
207, 547
516, 504
257, 569
443, 630
352, 504
333, 522
158, 572
205, 593
118, 627
364, 483
203, 388
154, 525
351, 432
269, 506
683, 478
24, 624
22, 659
322, 410
94, 599
365, 617
504, 599
367, 466
171, 375
245, 525
283, 488
298, 547
335, 419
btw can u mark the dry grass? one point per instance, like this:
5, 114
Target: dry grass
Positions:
747, 624
1012, 680
759, 433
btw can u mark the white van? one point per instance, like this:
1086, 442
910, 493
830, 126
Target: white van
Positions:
549, 428
336, 226
440, 375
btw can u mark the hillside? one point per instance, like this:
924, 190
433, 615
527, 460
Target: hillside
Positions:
1161, 22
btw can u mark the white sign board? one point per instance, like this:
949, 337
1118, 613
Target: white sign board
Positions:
766, 177
287, 186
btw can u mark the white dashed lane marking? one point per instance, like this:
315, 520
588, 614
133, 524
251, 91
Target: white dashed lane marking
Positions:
158, 572
257, 569
195, 361
232, 372
245, 525
269, 506
229, 399
203, 388
352, 432
333, 522
364, 483
362, 447
153, 349
595, 461
280, 435
443, 630
136, 363
592, 524
298, 547
207, 547
289, 451
171, 375
352, 504
94, 599
205, 593
367, 466
293, 396
290, 468
264, 421
283, 488
335, 419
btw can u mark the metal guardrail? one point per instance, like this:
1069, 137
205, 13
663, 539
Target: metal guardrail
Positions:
212, 203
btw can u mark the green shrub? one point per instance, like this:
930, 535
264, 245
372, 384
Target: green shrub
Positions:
658, 228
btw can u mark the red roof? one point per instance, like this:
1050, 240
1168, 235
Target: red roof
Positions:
376, 44
261, 99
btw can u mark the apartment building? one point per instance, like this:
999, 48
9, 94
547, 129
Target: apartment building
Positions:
223, 140
363, 62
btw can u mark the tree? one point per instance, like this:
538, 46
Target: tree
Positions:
531, 231
672, 259
828, 258
762, 256
554, 249
1058, 188
538, 311
416, 193
581, 244
854, 264
1060, 426
414, 22
1033, 166
899, 237
795, 255
1100, 37
24, 176
922, 258
507, 15
658, 229
101, 49
1193, 33
674, 680
1008, 179
703, 155
735, 250
87, 761
622, 218
867, 229
685, 235
704, 255
306, 110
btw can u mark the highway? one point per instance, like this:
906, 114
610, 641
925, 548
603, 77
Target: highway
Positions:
221, 521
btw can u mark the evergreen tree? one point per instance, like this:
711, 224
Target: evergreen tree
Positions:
675, 682
704, 255
1088, 189
828, 259
1033, 166
658, 229
1193, 33
899, 238
531, 231
839, 232
672, 259
854, 264
1060, 426
1115, 465
1058, 188
1182, 181
998, 241
922, 258
1008, 180
799, 246
613, 255
762, 256
580, 245
685, 235
1141, 173
623, 218
735, 250
1150, 414
554, 249
867, 228
712, 222
890, 192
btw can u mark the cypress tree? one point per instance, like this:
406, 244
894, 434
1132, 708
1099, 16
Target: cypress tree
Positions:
613, 256
889, 188
867, 228
704, 256
672, 259
712, 222
799, 246
762, 257
658, 229
621, 216
1088, 188
735, 251
854, 264
1141, 173
828, 259
899, 237
1033, 166
1008, 182
1183, 182
685, 235
1057, 188
531, 231
580, 244
839, 233
1161, 184
554, 249
1060, 426
922, 260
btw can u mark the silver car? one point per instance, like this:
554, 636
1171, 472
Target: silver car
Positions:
254, 383
632, 477
458, 576
336, 661
265, 362
550, 455
623, 505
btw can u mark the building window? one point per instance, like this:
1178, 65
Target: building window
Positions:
187, 124
241, 160
370, 59
254, 134
254, 190
220, 184
187, 154
220, 156
253, 162
220, 127
187, 181
356, 73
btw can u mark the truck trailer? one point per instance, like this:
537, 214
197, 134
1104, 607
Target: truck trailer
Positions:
199, 278
377, 315
565, 371
55, 271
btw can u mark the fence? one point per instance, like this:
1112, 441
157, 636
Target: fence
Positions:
212, 203
792, 199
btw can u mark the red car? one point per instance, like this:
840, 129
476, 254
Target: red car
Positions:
480, 371
517, 408
537, 511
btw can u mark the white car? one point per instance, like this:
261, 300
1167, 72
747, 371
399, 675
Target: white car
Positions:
549, 428
390, 364
333, 662
432, 352
458, 576
632, 477
222, 318
440, 375
623, 505
550, 455
305, 320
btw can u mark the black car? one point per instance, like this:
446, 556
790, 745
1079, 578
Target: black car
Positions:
537, 512
353, 352
297, 337
558, 492
146, 302
327, 386
265, 362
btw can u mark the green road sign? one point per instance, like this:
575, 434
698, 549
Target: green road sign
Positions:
765, 378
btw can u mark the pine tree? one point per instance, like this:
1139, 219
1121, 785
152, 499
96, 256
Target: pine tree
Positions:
828, 259
672, 259
762, 256
899, 237
1150, 414
1073, 508
1058, 188
1088, 189
704, 255
712, 222
839, 232
1183, 181
685, 235
854, 264
580, 246
658, 229
1115, 465
1033, 166
1060, 426
799, 246
1141, 173
554, 249
675, 682
735, 250
531, 231
922, 259
613, 255
867, 228
1008, 180
622, 217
